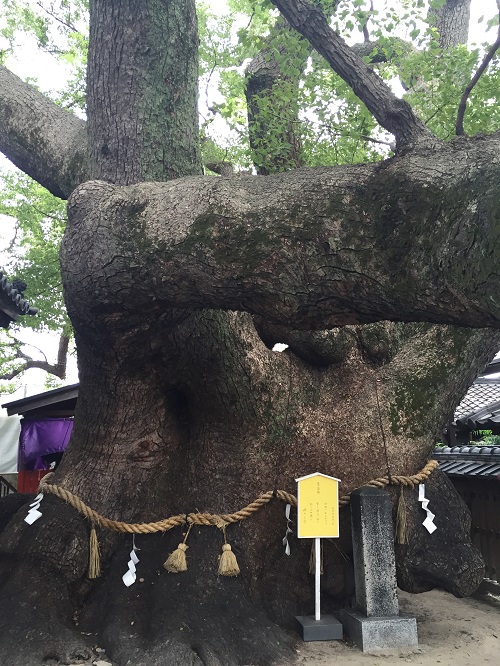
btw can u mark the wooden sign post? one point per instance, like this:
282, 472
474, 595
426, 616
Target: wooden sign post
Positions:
317, 518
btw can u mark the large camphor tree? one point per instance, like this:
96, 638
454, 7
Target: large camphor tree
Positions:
381, 277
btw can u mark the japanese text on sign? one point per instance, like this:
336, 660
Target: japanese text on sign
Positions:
318, 506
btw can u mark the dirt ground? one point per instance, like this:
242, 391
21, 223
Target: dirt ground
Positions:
451, 632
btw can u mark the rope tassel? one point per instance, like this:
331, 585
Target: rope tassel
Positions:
401, 520
228, 565
176, 562
94, 556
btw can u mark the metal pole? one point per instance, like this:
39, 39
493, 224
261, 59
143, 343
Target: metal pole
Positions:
317, 557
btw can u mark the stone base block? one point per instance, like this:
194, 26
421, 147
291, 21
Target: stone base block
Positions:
325, 629
374, 634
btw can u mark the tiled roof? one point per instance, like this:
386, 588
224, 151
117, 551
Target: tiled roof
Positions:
14, 298
487, 418
483, 461
484, 393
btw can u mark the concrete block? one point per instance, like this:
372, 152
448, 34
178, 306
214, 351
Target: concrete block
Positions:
376, 634
325, 629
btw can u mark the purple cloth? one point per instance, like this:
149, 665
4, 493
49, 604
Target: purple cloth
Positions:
40, 438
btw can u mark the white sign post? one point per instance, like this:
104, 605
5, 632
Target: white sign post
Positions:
317, 576
317, 518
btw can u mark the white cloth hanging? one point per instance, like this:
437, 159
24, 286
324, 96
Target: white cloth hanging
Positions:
10, 429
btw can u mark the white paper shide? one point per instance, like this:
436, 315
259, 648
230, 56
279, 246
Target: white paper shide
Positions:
429, 520
288, 529
34, 513
130, 576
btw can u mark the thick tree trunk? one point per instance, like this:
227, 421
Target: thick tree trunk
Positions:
142, 89
201, 415
419, 368
184, 410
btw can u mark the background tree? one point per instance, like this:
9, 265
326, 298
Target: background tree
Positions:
38, 217
178, 287
33, 253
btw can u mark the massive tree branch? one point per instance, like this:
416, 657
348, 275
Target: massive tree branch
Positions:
42, 139
415, 238
394, 114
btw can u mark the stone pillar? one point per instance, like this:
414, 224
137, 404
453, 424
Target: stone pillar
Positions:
375, 624
373, 552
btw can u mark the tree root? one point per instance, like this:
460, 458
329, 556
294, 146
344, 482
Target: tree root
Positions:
196, 617
36, 626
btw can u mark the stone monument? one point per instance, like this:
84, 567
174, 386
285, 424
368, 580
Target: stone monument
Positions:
375, 623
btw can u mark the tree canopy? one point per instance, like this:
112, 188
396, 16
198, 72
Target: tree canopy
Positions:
327, 123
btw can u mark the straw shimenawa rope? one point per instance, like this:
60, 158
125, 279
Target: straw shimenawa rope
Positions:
209, 519
101, 521
411, 481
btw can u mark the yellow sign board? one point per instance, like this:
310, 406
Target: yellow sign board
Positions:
318, 506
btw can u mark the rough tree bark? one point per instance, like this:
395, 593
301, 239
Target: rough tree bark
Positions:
451, 20
282, 247
54, 150
183, 406
391, 112
379, 341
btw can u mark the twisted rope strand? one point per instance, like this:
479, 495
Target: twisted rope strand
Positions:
211, 519
114, 525
384, 481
